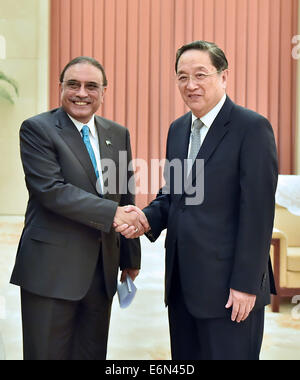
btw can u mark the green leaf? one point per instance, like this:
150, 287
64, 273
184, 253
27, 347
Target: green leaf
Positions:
5, 95
9, 80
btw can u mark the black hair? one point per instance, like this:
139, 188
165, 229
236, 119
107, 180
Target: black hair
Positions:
216, 54
83, 59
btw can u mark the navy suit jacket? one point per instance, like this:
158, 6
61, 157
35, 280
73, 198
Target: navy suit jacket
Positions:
223, 242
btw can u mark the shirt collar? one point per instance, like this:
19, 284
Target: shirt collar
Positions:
90, 124
209, 118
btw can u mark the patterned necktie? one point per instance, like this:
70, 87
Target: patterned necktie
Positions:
86, 139
196, 139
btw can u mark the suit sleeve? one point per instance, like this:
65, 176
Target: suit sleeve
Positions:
258, 182
130, 249
45, 181
157, 212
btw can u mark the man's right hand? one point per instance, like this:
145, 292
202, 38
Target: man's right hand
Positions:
123, 218
130, 232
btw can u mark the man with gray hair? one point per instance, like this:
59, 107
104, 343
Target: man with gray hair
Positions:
218, 272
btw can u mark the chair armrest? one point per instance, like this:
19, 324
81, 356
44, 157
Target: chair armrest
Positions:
280, 250
278, 234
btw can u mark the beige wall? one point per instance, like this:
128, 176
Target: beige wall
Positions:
24, 25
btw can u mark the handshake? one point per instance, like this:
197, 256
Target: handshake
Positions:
131, 222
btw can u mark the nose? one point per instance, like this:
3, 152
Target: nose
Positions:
191, 83
82, 92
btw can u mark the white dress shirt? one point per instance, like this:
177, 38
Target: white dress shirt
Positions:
207, 120
93, 135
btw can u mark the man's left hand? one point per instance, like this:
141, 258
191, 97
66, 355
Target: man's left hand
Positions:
242, 304
133, 273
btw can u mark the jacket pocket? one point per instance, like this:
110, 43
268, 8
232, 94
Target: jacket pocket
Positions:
48, 236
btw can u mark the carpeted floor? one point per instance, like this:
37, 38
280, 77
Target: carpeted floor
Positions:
141, 331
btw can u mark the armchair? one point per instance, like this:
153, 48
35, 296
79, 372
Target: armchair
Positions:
285, 253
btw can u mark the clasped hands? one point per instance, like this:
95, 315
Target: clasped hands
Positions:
131, 222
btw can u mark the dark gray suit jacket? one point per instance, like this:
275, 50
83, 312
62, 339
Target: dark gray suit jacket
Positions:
66, 220
223, 242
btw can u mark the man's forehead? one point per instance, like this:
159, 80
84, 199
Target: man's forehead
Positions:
196, 59
83, 70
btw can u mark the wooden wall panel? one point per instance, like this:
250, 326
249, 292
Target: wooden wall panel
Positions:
136, 41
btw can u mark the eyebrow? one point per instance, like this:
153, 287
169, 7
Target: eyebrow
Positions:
197, 69
77, 81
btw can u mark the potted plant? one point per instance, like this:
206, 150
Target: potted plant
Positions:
4, 94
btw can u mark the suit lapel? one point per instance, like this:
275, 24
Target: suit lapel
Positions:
72, 137
183, 138
108, 148
214, 137
182, 146
217, 131
106, 140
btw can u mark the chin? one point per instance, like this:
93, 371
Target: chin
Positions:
80, 115
195, 107
199, 112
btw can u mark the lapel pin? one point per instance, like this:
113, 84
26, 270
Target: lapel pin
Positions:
108, 143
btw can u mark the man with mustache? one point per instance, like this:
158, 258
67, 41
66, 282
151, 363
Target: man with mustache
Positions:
69, 254
218, 271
